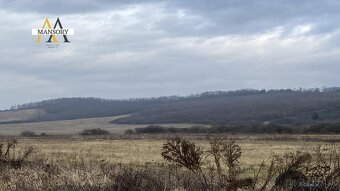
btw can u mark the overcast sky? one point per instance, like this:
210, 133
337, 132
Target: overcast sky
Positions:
176, 47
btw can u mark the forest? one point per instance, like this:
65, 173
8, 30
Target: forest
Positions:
240, 107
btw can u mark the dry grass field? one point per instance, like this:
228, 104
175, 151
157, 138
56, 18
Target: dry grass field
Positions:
25, 114
68, 127
136, 163
143, 151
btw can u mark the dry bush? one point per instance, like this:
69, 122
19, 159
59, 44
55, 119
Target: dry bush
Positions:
324, 170
226, 155
188, 155
318, 170
184, 153
10, 157
223, 174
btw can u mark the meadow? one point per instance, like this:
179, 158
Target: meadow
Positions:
144, 151
73, 127
136, 163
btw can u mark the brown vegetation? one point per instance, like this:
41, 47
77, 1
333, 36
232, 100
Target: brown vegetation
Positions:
215, 165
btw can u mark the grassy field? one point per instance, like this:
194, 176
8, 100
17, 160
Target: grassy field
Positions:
135, 162
69, 127
20, 114
149, 151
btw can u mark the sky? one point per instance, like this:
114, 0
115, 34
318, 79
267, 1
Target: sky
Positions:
127, 49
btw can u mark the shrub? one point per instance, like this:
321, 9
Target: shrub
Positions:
43, 134
28, 134
151, 129
10, 157
97, 131
129, 132
188, 155
318, 170
272, 128
226, 156
324, 128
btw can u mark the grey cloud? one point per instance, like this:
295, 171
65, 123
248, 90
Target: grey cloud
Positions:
217, 17
151, 48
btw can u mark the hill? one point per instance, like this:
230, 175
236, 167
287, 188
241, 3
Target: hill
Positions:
74, 127
233, 107
294, 108
20, 115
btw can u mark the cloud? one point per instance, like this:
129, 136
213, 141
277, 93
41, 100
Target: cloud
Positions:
153, 48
